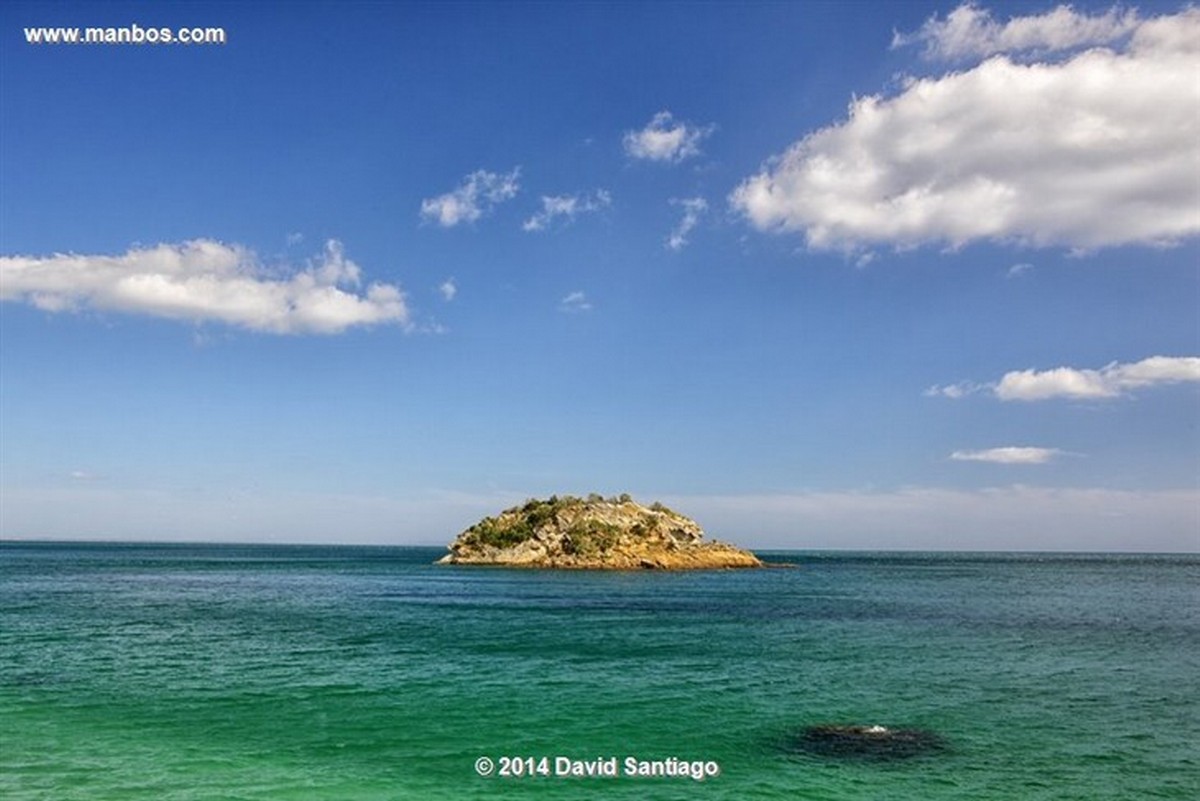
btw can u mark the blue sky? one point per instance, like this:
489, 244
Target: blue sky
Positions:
858, 275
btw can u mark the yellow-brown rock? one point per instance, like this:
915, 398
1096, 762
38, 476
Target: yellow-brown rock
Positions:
593, 533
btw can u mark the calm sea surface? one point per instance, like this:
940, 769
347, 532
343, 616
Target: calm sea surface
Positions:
173, 672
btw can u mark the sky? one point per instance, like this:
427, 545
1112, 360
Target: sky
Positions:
868, 275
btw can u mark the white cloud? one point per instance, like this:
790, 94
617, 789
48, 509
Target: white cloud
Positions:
479, 193
970, 32
206, 281
664, 139
955, 391
448, 288
1008, 455
1017, 270
915, 518
693, 207
106, 510
1107, 382
568, 206
575, 302
1110, 381
932, 518
1097, 150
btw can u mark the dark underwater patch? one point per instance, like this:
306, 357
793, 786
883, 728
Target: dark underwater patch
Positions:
874, 743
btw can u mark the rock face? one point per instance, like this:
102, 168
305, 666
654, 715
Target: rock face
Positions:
593, 533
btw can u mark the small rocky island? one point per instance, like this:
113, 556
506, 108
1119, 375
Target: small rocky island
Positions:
593, 533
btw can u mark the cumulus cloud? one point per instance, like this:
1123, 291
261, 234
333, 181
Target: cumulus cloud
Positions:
693, 207
665, 139
1110, 381
207, 281
1008, 455
448, 288
478, 194
1092, 151
970, 32
575, 302
568, 207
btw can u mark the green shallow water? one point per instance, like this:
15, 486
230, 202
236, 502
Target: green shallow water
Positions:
258, 672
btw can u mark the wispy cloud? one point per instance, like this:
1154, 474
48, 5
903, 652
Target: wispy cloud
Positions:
1017, 270
693, 208
567, 207
665, 139
448, 288
207, 281
955, 391
478, 194
1016, 517
1111, 381
1008, 455
108, 510
575, 302
970, 32
1093, 151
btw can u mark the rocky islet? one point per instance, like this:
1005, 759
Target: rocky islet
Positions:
593, 533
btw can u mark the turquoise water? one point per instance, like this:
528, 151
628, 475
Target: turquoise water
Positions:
258, 672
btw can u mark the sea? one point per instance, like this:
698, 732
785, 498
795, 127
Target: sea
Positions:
192, 671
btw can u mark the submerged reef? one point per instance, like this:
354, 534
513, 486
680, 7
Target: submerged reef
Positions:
867, 742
